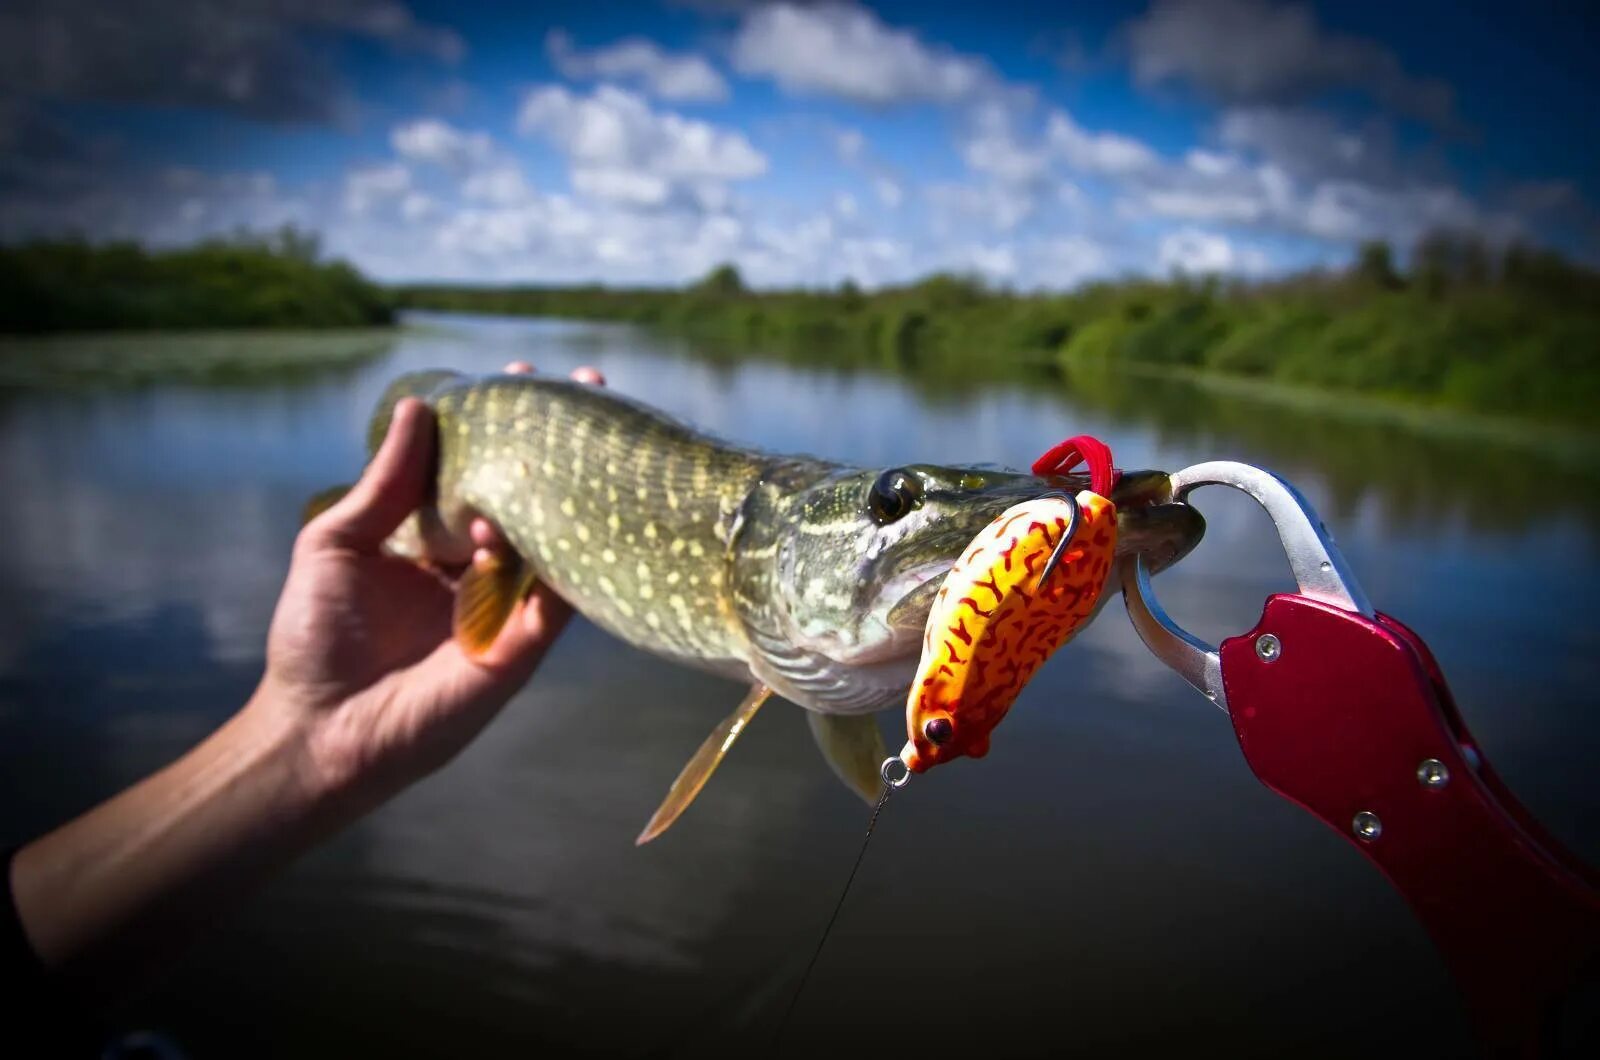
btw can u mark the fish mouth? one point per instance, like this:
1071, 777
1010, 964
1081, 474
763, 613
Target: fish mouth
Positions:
910, 612
1161, 534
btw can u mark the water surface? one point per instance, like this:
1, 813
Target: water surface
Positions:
1111, 879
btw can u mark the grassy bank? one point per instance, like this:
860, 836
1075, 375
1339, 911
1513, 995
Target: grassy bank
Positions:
1513, 334
248, 281
211, 358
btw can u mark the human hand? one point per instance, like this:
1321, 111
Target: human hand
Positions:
360, 656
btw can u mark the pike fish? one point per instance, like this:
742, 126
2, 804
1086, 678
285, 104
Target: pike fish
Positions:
792, 575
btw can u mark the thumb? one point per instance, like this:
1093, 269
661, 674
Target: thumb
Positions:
394, 485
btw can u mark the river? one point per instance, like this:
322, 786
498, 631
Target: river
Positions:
1111, 879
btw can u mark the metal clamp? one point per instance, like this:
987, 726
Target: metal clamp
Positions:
1318, 567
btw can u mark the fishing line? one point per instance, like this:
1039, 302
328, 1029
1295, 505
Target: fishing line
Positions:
888, 789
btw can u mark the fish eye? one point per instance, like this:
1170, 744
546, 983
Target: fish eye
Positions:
895, 493
938, 730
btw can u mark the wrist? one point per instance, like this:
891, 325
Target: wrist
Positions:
289, 742
334, 770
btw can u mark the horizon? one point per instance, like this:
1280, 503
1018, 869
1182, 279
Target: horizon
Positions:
643, 145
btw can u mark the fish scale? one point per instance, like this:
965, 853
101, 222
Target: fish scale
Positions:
798, 576
599, 472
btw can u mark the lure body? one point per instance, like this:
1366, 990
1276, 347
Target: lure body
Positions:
993, 624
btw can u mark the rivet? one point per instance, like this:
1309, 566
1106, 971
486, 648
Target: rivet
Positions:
1366, 825
1433, 773
1268, 647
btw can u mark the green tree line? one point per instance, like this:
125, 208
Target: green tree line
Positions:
1514, 331
246, 280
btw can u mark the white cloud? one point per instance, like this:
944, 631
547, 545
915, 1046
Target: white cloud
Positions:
677, 77
994, 150
1068, 262
994, 205
622, 186
372, 186
1197, 252
889, 192
1193, 204
842, 50
1210, 163
1106, 153
416, 206
442, 144
621, 149
503, 185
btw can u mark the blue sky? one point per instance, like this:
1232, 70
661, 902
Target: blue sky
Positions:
1039, 145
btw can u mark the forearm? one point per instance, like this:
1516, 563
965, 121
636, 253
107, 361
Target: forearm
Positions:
114, 891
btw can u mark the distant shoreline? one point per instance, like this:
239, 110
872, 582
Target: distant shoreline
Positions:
1513, 341
242, 356
278, 280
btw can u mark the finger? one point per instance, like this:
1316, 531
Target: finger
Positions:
488, 680
528, 633
589, 375
394, 485
519, 368
483, 533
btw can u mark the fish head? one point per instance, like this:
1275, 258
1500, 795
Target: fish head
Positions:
863, 552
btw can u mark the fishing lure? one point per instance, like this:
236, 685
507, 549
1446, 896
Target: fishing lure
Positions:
1028, 582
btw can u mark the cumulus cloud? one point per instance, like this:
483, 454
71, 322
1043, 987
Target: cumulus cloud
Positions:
842, 50
503, 185
680, 78
1253, 51
1105, 153
370, 187
440, 143
619, 148
258, 58
1196, 252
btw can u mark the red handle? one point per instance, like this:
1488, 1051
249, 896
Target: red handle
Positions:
1351, 719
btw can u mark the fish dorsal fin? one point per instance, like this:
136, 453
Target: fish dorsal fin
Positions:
703, 764
486, 595
854, 748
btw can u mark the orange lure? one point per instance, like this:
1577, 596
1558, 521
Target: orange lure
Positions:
996, 620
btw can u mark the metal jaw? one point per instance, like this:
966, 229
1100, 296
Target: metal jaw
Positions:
1319, 570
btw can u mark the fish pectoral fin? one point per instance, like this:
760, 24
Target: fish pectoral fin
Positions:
854, 748
705, 761
486, 595
321, 501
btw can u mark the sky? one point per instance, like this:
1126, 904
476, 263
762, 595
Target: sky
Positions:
1037, 145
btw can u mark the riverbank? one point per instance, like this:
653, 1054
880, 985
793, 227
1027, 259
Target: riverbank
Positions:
216, 358
246, 281
1517, 336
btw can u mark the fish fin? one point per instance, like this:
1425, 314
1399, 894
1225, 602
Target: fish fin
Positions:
321, 501
705, 761
486, 595
853, 745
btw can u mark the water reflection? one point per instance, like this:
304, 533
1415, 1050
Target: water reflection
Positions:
1112, 868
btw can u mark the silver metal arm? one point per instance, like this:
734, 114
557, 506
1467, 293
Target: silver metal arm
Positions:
1319, 570
1194, 660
